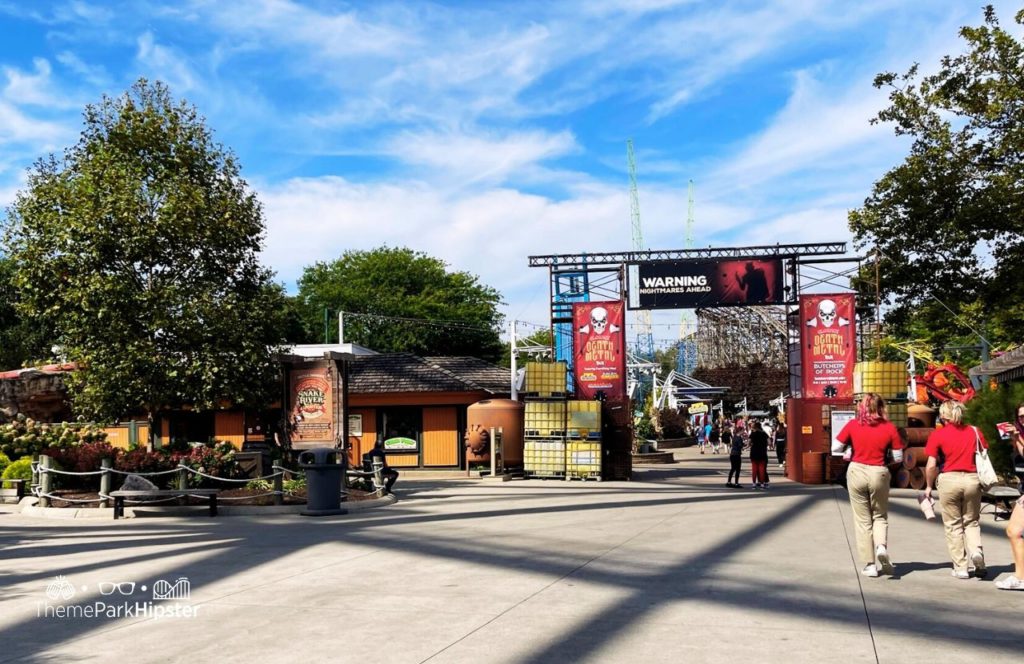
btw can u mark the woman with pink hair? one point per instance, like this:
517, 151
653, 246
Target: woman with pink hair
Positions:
872, 436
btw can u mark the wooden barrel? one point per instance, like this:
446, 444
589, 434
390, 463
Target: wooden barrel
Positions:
901, 478
814, 467
918, 436
917, 481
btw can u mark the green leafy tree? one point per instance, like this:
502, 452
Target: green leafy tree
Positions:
22, 339
989, 408
948, 222
400, 300
140, 245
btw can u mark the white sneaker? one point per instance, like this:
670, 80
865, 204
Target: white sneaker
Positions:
870, 570
1010, 583
978, 561
960, 574
883, 559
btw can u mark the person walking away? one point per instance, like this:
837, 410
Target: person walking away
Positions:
724, 439
959, 489
766, 425
1015, 529
780, 444
735, 458
758, 456
872, 436
389, 474
713, 438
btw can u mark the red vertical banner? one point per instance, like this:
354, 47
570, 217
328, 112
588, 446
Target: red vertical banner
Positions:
599, 348
828, 345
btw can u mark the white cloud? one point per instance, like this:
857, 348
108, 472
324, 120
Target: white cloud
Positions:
165, 64
477, 157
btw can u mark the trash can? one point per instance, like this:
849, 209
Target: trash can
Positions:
323, 481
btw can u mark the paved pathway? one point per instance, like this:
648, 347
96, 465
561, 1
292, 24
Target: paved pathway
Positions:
672, 567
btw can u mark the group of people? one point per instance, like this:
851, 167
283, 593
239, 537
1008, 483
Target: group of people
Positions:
746, 435
950, 450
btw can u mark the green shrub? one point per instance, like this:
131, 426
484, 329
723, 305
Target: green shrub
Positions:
258, 485
18, 470
26, 437
4, 462
297, 484
989, 408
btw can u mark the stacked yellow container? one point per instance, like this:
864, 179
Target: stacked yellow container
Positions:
584, 460
888, 379
545, 379
544, 458
544, 419
584, 420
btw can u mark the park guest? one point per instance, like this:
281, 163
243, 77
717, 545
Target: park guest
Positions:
1015, 529
780, 443
389, 474
872, 436
735, 446
959, 488
758, 456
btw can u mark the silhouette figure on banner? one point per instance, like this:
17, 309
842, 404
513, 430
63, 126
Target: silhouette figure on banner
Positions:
754, 284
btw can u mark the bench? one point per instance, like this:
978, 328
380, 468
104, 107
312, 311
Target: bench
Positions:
119, 497
1002, 499
17, 492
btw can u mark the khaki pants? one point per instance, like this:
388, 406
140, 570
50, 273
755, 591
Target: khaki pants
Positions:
869, 500
960, 501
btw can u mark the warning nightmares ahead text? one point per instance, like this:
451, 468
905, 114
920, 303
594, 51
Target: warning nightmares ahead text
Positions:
663, 285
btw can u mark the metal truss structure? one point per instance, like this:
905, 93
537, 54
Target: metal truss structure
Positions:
742, 336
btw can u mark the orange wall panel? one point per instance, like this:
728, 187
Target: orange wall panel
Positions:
229, 426
118, 436
404, 460
440, 437
360, 445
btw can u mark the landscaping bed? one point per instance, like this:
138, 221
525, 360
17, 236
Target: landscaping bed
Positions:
247, 496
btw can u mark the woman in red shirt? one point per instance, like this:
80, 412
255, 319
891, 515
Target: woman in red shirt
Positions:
872, 435
959, 491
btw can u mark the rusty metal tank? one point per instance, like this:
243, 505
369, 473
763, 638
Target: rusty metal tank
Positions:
504, 414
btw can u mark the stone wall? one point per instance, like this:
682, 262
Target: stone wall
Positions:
41, 396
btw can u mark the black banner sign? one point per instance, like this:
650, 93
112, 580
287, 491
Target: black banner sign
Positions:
705, 283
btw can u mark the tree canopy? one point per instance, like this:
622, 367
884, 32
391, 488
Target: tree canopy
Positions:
397, 299
948, 222
139, 244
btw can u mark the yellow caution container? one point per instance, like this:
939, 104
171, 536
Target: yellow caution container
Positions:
545, 379
889, 379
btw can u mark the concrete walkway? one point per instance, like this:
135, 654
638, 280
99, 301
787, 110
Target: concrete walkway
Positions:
672, 567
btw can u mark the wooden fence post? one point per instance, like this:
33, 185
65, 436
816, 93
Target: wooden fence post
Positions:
45, 480
105, 480
182, 484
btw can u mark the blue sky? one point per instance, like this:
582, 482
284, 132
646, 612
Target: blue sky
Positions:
485, 132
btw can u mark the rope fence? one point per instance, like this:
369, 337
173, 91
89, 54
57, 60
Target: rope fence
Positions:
42, 471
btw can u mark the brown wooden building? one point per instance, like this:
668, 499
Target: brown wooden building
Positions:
400, 397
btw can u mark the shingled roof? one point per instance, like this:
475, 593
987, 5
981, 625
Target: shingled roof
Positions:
405, 372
